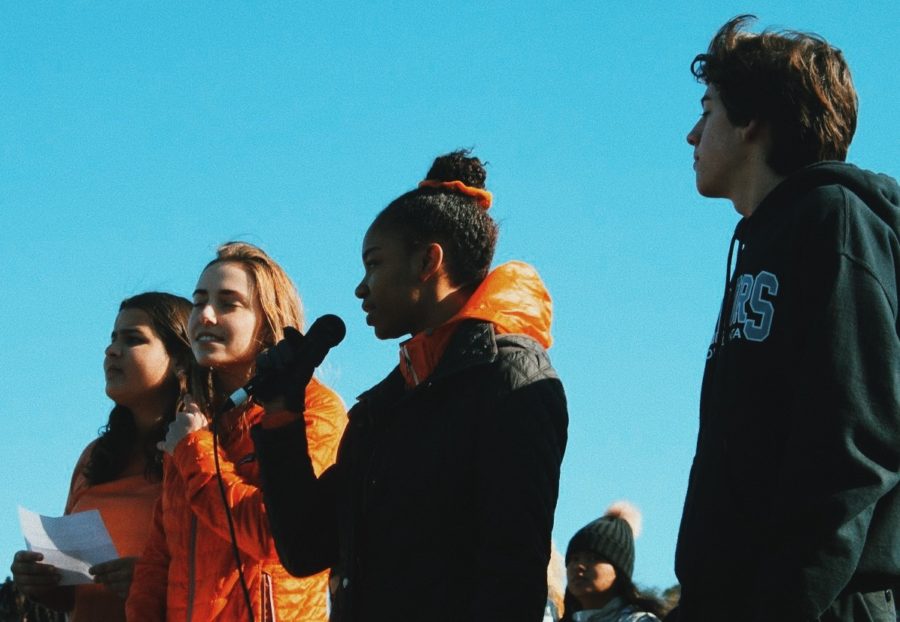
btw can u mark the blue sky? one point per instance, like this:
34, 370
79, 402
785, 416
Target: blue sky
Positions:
138, 136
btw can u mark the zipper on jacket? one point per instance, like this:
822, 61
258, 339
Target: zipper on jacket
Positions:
192, 567
267, 598
407, 360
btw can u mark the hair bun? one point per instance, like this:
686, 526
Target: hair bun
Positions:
458, 166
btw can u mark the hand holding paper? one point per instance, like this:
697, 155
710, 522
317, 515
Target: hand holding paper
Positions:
71, 543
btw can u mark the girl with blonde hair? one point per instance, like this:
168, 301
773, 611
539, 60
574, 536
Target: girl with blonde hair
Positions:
211, 554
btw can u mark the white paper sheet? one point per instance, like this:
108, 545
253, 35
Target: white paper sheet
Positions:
72, 543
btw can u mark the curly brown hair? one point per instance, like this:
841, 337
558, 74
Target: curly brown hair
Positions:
795, 82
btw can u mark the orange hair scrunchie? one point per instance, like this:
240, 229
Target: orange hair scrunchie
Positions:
482, 197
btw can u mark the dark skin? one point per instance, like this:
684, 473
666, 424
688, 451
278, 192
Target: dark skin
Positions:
428, 297
39, 582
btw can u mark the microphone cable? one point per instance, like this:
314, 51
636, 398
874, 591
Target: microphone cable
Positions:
231, 531
326, 332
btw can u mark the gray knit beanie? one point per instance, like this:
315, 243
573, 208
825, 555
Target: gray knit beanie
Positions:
610, 537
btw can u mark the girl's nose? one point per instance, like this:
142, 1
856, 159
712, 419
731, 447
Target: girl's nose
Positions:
207, 315
361, 290
111, 350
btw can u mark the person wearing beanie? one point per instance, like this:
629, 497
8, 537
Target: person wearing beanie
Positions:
599, 567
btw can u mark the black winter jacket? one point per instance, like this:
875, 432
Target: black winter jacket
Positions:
793, 497
440, 504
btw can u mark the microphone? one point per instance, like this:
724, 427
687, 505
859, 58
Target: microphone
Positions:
307, 352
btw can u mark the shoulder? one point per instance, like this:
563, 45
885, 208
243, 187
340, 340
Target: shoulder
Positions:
842, 196
85, 455
323, 400
79, 482
832, 205
837, 221
521, 361
822, 212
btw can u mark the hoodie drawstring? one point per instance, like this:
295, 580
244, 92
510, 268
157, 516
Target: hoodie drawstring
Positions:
733, 259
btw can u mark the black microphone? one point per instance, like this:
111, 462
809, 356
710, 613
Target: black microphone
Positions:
325, 333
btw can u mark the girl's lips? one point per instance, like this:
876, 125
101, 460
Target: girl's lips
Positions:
207, 338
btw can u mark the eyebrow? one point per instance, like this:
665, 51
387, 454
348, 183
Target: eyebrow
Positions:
127, 331
705, 98
368, 251
221, 292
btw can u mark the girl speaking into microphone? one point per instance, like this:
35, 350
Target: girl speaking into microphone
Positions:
440, 504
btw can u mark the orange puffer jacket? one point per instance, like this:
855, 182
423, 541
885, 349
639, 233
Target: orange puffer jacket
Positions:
188, 572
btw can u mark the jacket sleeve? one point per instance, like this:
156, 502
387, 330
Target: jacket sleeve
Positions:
520, 449
300, 495
301, 507
842, 444
147, 595
325, 418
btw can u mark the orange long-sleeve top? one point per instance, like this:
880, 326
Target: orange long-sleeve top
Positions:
126, 506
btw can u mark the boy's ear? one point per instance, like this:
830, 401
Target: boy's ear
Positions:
432, 261
754, 130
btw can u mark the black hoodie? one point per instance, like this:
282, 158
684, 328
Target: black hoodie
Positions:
793, 497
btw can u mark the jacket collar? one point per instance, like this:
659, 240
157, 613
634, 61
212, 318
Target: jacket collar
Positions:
473, 343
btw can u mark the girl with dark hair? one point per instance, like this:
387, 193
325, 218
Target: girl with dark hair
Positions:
120, 473
195, 567
440, 505
599, 564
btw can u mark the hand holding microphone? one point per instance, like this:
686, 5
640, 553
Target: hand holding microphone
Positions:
284, 370
282, 378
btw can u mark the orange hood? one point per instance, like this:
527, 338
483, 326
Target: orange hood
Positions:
512, 297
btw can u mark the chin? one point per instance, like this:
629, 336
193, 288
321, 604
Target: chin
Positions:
384, 333
203, 361
710, 190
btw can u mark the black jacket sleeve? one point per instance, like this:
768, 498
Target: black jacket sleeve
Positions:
301, 508
521, 446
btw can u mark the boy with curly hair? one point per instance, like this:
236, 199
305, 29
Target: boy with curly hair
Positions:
793, 495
